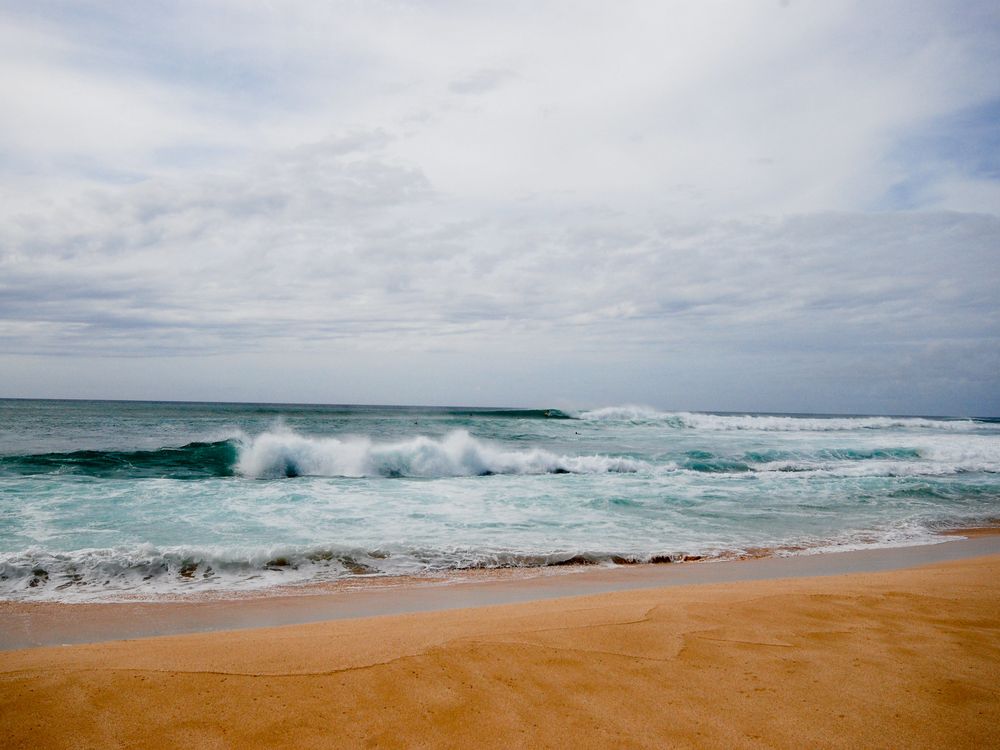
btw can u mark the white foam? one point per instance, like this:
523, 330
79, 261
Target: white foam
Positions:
818, 424
145, 571
938, 455
283, 453
872, 469
766, 423
627, 413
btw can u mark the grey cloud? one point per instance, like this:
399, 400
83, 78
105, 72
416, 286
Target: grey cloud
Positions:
526, 248
327, 244
481, 81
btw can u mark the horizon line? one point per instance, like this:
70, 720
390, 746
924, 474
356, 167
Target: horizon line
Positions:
719, 412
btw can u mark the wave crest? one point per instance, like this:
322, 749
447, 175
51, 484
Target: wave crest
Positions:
287, 454
631, 413
771, 423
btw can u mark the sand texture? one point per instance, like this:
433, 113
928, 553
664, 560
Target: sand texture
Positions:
897, 659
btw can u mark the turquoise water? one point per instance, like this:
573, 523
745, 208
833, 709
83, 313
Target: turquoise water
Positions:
105, 499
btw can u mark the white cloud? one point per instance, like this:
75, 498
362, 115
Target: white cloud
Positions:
638, 183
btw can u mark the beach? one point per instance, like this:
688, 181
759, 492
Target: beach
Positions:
885, 658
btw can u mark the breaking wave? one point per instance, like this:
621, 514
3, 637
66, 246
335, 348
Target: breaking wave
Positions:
287, 454
776, 423
282, 454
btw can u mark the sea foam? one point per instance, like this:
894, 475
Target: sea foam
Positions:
284, 453
771, 423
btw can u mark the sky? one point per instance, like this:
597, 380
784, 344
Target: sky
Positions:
764, 205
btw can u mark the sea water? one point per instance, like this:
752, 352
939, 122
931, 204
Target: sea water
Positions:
133, 499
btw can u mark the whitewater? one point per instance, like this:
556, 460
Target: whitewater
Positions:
105, 500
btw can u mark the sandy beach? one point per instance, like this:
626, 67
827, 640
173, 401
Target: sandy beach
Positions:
902, 658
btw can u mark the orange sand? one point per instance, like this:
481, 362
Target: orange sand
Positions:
907, 658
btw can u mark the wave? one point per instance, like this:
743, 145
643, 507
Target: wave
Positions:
283, 454
145, 571
287, 454
776, 423
885, 469
507, 413
766, 423
633, 414
945, 455
191, 461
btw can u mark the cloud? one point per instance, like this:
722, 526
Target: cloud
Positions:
481, 81
796, 194
336, 241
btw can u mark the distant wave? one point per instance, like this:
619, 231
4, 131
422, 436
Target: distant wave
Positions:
508, 413
287, 454
634, 414
774, 423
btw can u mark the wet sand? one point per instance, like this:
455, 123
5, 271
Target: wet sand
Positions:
900, 658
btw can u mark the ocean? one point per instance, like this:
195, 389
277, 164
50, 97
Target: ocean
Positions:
147, 500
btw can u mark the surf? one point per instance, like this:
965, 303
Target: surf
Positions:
280, 454
643, 415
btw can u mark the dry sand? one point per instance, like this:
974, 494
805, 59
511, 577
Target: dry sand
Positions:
908, 658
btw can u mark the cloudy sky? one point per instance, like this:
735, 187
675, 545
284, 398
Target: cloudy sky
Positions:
760, 205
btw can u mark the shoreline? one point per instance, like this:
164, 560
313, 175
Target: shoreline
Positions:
25, 625
908, 657
584, 561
